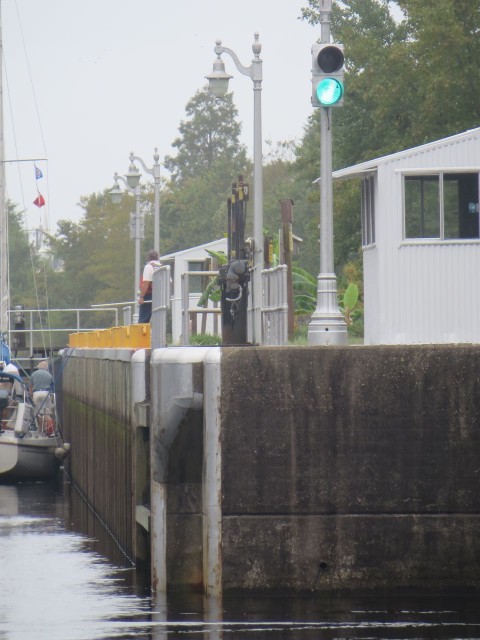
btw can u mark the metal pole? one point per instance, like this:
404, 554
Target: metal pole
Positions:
258, 261
4, 278
254, 71
156, 205
327, 325
137, 251
155, 172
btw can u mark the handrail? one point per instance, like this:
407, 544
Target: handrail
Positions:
185, 302
26, 324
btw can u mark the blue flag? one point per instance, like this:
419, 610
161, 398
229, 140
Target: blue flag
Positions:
38, 173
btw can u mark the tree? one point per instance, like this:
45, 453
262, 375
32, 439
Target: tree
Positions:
211, 133
443, 42
23, 263
97, 252
209, 158
407, 82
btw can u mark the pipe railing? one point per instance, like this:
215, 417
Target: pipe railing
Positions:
160, 306
275, 306
186, 310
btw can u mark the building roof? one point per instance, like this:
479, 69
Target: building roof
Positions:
215, 244
370, 166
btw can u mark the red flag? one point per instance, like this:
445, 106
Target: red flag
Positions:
39, 200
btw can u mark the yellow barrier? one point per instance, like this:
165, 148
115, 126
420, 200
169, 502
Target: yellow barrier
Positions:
134, 336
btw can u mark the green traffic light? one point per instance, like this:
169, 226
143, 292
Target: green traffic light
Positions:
329, 91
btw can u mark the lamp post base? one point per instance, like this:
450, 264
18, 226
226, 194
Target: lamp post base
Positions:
327, 326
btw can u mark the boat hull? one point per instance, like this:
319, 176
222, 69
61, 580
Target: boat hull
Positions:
27, 457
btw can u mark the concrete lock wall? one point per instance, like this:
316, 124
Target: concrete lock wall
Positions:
285, 469
350, 468
104, 409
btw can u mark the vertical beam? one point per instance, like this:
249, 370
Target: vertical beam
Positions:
287, 220
4, 284
212, 480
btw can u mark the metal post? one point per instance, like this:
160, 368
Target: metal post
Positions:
287, 220
258, 260
4, 284
137, 252
327, 325
156, 211
254, 71
155, 172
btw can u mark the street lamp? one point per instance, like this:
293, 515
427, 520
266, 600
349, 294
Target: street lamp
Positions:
218, 83
155, 172
136, 220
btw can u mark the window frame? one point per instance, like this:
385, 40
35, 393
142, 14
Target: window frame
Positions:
193, 280
437, 172
368, 209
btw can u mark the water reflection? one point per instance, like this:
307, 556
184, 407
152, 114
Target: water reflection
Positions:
56, 583
53, 585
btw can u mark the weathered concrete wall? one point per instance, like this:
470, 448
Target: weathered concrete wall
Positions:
176, 454
346, 468
108, 456
327, 468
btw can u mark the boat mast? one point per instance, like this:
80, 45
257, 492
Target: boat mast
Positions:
4, 288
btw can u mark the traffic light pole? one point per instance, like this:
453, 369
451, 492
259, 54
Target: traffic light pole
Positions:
327, 325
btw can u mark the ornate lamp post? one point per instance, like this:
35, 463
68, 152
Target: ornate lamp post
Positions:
133, 181
218, 83
136, 221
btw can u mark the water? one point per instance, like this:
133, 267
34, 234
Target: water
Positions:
57, 584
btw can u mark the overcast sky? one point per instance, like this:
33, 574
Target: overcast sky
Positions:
111, 76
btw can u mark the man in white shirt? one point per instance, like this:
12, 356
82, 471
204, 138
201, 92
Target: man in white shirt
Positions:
145, 299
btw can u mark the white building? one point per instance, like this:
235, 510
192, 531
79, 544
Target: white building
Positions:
421, 245
184, 261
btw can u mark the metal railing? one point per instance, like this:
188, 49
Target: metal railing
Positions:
274, 310
187, 312
36, 334
160, 306
275, 306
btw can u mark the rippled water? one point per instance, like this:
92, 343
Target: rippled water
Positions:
56, 585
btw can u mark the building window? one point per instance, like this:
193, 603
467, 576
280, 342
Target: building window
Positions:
368, 210
443, 206
196, 283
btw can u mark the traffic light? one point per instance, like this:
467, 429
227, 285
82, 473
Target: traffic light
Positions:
327, 75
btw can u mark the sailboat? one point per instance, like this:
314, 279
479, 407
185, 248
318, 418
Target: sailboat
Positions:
30, 440
30, 444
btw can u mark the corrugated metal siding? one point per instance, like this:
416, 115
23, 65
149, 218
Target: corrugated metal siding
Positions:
437, 291
420, 293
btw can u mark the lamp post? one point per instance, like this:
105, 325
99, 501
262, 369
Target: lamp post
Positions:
155, 172
136, 226
218, 83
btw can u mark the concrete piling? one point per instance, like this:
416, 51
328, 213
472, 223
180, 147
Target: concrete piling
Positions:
285, 469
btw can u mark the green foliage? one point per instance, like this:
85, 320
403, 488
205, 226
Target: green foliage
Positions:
407, 82
349, 302
213, 291
209, 158
205, 340
97, 252
210, 133
23, 266
219, 256
304, 291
